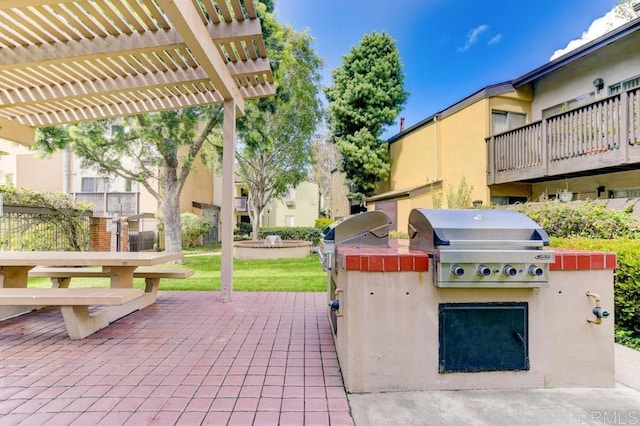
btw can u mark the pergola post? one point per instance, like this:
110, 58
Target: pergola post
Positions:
227, 208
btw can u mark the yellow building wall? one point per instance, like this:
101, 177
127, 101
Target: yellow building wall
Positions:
413, 158
464, 151
198, 187
446, 151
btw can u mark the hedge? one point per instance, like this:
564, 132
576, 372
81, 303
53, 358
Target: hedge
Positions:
310, 234
626, 282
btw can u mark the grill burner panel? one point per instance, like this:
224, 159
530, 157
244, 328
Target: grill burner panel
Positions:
482, 248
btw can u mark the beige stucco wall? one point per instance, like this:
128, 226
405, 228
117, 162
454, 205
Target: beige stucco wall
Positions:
614, 63
9, 152
339, 203
304, 208
387, 338
31, 171
43, 174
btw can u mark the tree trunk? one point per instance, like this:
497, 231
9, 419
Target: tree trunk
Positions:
255, 222
171, 206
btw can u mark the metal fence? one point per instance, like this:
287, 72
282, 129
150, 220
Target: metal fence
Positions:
143, 234
24, 228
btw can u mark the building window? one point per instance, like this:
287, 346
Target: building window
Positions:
94, 184
568, 105
503, 121
290, 221
624, 85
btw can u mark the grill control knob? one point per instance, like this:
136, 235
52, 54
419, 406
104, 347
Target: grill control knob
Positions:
457, 270
510, 271
484, 271
535, 271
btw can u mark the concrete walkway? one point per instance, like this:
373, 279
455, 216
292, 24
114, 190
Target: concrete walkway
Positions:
549, 407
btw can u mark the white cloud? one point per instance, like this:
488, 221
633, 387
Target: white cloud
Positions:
495, 39
613, 19
472, 38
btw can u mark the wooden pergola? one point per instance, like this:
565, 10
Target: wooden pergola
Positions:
67, 61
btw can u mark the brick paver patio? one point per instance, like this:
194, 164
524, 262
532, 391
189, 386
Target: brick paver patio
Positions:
263, 359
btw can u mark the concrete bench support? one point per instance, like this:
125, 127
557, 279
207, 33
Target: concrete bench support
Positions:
75, 302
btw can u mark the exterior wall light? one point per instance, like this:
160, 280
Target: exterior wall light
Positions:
598, 83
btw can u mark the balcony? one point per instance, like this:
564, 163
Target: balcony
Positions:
110, 203
240, 204
600, 137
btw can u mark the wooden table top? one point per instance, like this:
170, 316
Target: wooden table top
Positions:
85, 258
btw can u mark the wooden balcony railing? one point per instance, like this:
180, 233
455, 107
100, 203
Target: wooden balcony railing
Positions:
603, 134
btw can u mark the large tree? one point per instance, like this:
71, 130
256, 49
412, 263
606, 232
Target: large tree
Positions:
275, 135
367, 94
325, 160
155, 149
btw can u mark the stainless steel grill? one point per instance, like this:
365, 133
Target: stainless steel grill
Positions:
363, 229
482, 248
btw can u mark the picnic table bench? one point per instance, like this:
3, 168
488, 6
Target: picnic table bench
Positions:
75, 302
113, 303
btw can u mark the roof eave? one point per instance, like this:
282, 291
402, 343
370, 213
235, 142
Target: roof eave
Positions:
578, 53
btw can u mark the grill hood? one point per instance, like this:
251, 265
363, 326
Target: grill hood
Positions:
499, 229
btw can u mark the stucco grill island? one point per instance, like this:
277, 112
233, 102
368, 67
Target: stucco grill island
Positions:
474, 300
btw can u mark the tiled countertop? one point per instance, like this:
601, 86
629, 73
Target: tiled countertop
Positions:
397, 257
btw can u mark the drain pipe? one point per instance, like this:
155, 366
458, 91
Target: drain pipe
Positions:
436, 148
597, 310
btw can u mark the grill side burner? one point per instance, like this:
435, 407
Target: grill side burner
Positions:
482, 248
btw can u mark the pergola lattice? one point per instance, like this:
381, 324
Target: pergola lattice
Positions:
68, 61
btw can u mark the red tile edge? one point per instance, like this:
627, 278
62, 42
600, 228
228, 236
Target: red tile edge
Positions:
394, 259
572, 260
377, 259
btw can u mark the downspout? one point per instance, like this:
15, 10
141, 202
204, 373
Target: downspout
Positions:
436, 149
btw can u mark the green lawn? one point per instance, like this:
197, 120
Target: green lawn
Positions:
248, 275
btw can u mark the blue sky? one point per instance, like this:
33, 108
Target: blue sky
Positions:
449, 48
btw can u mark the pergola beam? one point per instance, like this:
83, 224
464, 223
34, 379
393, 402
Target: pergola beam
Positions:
17, 97
120, 45
16, 132
120, 109
185, 18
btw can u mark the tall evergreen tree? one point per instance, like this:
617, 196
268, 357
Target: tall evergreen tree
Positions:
366, 96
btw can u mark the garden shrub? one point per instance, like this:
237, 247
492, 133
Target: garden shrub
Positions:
589, 219
323, 222
626, 282
398, 235
311, 234
193, 227
242, 231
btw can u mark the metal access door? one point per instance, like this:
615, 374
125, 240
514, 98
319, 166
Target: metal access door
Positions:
212, 215
483, 337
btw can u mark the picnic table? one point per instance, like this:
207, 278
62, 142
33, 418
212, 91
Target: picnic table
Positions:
120, 299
